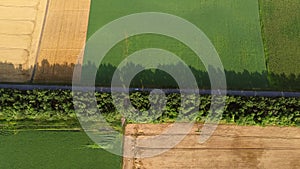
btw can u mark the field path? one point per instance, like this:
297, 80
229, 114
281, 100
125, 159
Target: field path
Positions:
229, 147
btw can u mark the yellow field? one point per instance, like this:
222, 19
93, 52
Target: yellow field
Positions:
33, 31
21, 23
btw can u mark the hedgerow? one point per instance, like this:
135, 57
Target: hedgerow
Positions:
58, 105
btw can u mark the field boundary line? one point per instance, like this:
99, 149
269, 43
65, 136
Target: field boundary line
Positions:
246, 93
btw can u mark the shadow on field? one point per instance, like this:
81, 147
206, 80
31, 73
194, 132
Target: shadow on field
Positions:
63, 74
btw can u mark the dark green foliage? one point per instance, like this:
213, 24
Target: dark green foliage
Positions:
36, 104
263, 111
51, 106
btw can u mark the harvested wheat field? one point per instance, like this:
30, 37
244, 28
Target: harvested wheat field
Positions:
229, 147
21, 24
41, 40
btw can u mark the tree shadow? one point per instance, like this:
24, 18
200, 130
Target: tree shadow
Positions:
149, 78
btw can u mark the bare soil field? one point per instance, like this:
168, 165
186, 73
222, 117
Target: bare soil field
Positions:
230, 146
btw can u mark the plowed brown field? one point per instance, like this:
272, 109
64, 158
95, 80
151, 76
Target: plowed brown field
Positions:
229, 147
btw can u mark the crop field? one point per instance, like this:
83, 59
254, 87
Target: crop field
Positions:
257, 40
258, 44
281, 28
53, 149
282, 32
229, 147
233, 27
44, 109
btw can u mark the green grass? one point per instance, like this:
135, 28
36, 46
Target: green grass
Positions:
233, 27
53, 149
281, 28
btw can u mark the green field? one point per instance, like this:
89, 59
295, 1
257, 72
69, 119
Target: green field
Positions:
257, 40
50, 149
281, 28
233, 27
282, 32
